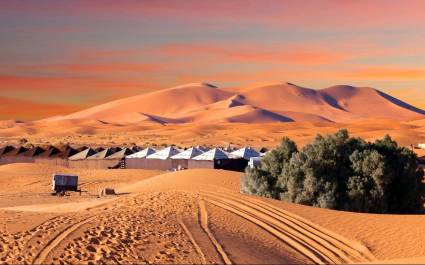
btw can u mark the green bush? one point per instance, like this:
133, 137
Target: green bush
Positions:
340, 172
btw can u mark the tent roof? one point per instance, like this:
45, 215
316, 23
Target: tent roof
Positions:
144, 153
135, 148
81, 148
213, 154
50, 152
188, 154
17, 151
6, 149
246, 153
102, 154
83, 154
164, 153
65, 153
99, 149
35, 151
121, 154
202, 148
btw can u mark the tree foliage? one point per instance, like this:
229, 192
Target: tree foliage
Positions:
340, 172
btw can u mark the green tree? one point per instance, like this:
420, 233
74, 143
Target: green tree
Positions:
258, 182
367, 186
341, 172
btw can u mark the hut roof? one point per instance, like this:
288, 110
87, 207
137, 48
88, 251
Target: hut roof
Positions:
213, 154
202, 148
6, 149
188, 154
83, 154
65, 153
264, 150
144, 153
35, 151
135, 148
116, 149
81, 148
246, 153
17, 151
50, 152
102, 154
121, 154
164, 153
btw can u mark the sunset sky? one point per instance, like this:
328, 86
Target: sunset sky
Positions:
61, 56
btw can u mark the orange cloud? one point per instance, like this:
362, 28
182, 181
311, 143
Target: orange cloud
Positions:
86, 84
389, 73
91, 68
28, 110
254, 54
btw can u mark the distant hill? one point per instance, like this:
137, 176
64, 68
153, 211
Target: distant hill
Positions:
286, 102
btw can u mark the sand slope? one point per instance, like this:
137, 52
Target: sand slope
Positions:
206, 103
196, 216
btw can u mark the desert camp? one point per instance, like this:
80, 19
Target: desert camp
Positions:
168, 158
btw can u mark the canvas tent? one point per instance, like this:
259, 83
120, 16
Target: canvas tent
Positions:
78, 160
13, 156
117, 160
246, 153
181, 160
96, 161
160, 160
135, 148
21, 155
6, 149
56, 157
254, 162
136, 160
218, 159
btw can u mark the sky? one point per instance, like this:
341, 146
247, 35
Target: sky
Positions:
60, 56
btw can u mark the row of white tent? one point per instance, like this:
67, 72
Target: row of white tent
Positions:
195, 153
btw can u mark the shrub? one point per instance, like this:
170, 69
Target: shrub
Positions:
341, 172
264, 181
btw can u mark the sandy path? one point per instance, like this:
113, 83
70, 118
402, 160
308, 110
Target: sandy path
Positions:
204, 224
193, 216
299, 237
193, 241
40, 258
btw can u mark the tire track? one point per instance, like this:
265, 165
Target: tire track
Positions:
192, 239
307, 238
203, 220
54, 242
297, 246
351, 248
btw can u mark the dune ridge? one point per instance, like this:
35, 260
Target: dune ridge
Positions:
285, 102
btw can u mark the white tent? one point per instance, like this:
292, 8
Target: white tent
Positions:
246, 153
102, 154
164, 153
142, 154
188, 154
213, 154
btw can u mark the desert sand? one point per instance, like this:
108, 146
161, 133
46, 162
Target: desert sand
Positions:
202, 114
199, 216
192, 216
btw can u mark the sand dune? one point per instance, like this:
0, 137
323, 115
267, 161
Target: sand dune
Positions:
205, 103
204, 114
164, 102
194, 216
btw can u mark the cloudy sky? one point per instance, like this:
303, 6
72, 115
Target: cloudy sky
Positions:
60, 56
